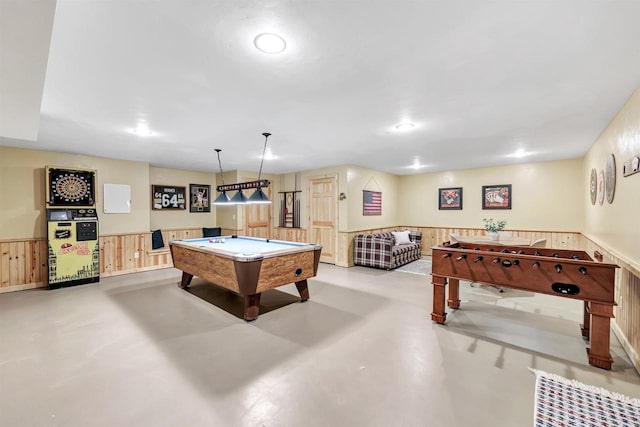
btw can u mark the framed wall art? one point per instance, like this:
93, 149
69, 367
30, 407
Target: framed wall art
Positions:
496, 196
450, 198
168, 197
200, 198
371, 203
631, 166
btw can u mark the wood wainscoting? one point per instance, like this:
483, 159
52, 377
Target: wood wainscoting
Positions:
23, 262
626, 324
290, 234
432, 236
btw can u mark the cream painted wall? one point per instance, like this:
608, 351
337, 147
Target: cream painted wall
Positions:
22, 191
616, 224
352, 180
546, 196
359, 179
180, 218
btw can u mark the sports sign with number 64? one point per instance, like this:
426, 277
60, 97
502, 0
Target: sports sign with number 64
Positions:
167, 197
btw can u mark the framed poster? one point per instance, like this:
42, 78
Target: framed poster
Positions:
371, 203
199, 198
450, 198
496, 196
167, 197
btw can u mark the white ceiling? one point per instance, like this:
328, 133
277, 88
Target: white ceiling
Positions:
479, 79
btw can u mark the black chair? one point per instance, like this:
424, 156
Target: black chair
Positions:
211, 232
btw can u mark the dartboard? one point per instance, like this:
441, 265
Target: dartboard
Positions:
71, 187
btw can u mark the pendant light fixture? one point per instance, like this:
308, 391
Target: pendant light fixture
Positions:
222, 198
258, 196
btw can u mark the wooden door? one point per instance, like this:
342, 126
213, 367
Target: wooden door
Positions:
323, 219
257, 217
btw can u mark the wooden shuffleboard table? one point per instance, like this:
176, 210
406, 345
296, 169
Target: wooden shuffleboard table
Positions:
247, 265
561, 272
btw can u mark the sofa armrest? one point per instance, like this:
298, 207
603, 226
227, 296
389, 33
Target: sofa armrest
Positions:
416, 236
373, 251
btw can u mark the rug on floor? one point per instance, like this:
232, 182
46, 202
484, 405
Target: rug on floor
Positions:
562, 402
419, 266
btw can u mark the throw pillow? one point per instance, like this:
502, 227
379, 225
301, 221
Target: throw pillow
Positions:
156, 239
211, 232
401, 237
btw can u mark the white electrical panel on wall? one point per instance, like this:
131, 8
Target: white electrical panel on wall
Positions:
117, 198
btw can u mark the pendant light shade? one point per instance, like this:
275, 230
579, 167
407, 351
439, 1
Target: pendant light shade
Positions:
222, 199
258, 196
239, 197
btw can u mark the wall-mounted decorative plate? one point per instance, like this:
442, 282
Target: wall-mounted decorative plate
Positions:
593, 185
601, 187
610, 180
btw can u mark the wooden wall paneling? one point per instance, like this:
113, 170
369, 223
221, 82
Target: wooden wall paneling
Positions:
21, 265
5, 269
626, 324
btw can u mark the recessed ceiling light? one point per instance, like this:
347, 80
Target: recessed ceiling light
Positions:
519, 153
142, 131
268, 154
269, 43
403, 127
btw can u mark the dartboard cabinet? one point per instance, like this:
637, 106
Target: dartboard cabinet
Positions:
72, 226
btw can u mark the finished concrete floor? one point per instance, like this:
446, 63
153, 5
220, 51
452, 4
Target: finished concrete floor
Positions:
136, 350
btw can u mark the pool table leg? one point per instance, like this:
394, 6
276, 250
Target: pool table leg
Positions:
251, 307
186, 280
303, 290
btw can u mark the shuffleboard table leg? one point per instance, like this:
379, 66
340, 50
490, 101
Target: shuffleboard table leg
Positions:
438, 314
186, 280
600, 335
303, 290
251, 307
454, 293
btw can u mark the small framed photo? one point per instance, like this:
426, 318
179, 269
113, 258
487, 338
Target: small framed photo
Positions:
200, 198
496, 196
450, 198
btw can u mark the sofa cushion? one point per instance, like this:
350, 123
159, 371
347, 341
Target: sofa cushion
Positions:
401, 237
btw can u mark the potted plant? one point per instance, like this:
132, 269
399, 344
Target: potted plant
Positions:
493, 227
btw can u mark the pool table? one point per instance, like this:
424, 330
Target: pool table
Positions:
247, 266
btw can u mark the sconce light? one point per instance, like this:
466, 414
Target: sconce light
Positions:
342, 196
